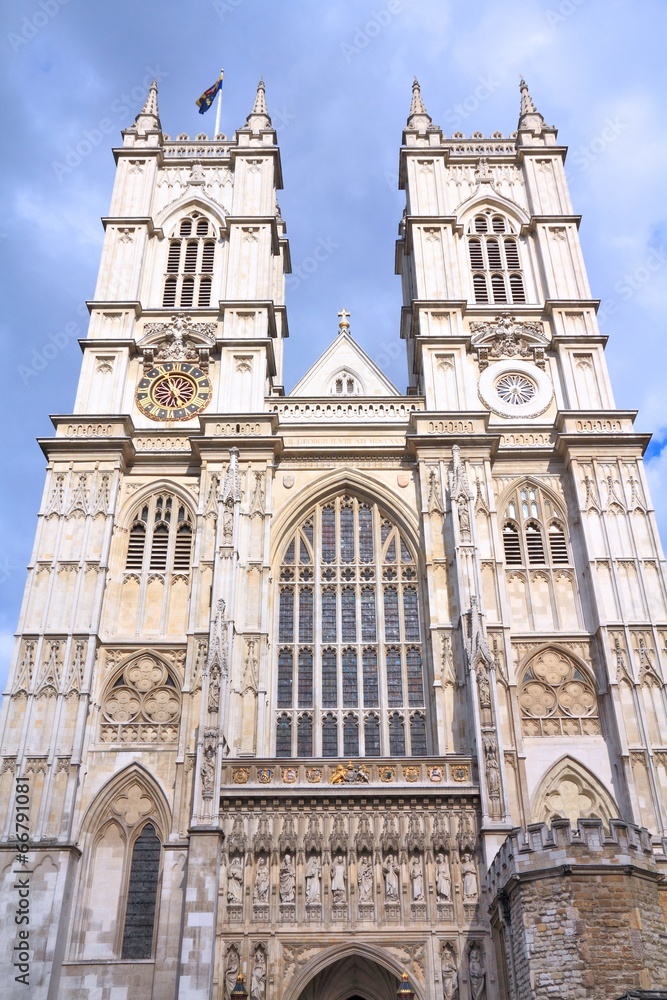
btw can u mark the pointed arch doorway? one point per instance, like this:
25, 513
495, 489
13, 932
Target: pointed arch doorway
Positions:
354, 977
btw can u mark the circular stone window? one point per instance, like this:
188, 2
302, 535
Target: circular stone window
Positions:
514, 388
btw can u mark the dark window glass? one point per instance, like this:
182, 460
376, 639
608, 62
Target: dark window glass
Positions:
305, 688
305, 614
365, 534
284, 736
329, 679
347, 535
142, 896
391, 622
304, 737
328, 534
415, 680
329, 615
394, 678
351, 736
286, 615
285, 673
368, 630
350, 692
349, 614
370, 669
418, 735
396, 736
411, 614
372, 736
329, 736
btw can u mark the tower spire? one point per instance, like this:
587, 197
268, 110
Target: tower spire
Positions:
529, 116
259, 117
149, 116
419, 117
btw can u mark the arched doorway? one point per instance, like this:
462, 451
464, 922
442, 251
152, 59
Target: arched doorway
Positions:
354, 977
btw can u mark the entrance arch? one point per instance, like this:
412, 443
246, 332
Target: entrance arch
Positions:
346, 971
354, 977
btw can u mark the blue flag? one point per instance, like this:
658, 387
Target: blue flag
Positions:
207, 98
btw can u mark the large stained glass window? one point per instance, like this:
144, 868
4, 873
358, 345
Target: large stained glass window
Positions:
350, 666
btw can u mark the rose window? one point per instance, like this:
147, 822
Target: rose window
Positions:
515, 389
557, 698
143, 706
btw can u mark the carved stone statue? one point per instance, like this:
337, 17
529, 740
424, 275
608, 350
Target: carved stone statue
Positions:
231, 970
470, 880
443, 879
313, 875
450, 975
258, 981
338, 878
477, 973
365, 879
260, 893
235, 881
390, 872
417, 879
287, 880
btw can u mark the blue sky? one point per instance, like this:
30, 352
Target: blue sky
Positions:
338, 77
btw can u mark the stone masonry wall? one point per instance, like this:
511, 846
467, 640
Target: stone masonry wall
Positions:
581, 911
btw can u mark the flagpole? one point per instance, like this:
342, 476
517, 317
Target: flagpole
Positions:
218, 108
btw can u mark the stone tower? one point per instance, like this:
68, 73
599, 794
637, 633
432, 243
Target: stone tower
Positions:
291, 670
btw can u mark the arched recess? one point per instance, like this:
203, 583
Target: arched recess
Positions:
141, 703
558, 694
172, 213
569, 790
472, 206
334, 959
130, 804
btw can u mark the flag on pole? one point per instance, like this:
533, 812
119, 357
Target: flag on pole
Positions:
207, 98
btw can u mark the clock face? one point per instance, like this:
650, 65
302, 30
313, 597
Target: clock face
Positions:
173, 390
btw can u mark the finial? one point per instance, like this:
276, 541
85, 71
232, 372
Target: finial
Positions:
259, 118
419, 117
344, 325
149, 113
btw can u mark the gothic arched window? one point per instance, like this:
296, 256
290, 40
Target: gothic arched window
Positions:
349, 637
190, 260
493, 251
539, 570
142, 896
158, 563
557, 697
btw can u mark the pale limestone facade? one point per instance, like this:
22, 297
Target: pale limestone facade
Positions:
460, 591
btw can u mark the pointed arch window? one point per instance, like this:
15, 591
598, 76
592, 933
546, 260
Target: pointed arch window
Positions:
190, 264
354, 588
538, 563
142, 895
493, 251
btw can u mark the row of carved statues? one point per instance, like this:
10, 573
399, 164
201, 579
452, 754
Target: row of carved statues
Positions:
449, 971
337, 871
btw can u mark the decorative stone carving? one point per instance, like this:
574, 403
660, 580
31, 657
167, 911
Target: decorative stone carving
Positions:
461, 494
260, 894
477, 972
434, 502
443, 878
365, 879
180, 339
235, 881
352, 774
257, 503
507, 337
207, 770
449, 973
390, 870
470, 879
417, 879
557, 698
258, 980
313, 879
287, 880
232, 966
338, 869
143, 705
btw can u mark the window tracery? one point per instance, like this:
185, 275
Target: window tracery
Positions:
557, 697
190, 261
143, 705
534, 536
349, 577
345, 383
493, 251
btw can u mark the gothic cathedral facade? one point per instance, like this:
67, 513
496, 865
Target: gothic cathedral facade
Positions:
329, 688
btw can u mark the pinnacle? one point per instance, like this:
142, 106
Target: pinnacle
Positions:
149, 110
527, 103
419, 117
259, 117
